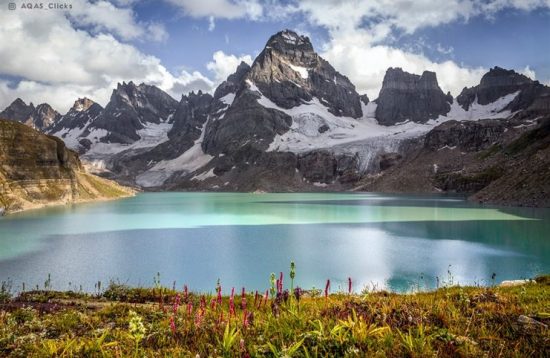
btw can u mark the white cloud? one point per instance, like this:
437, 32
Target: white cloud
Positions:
223, 65
104, 16
59, 63
211, 23
366, 65
225, 9
357, 30
527, 71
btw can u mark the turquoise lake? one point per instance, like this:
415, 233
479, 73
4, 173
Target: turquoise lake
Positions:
395, 242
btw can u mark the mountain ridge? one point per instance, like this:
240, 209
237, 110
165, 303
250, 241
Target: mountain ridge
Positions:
288, 122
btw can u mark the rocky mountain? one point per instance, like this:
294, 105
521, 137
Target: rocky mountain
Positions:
501, 161
405, 96
498, 83
38, 170
291, 122
503, 157
130, 109
71, 126
40, 117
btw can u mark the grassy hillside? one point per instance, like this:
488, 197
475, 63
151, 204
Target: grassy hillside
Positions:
138, 322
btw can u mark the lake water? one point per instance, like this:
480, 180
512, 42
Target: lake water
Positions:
400, 243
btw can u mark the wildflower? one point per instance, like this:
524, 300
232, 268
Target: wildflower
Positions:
203, 303
281, 282
327, 288
189, 309
213, 304
297, 293
198, 318
266, 297
349, 285
185, 294
177, 303
219, 289
232, 302
137, 329
292, 274
172, 325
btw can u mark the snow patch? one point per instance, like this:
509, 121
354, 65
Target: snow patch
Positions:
205, 175
301, 70
228, 99
191, 160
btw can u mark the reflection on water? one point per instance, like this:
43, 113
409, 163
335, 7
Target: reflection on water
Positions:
396, 242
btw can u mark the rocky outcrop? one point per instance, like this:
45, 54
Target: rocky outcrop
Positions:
405, 96
504, 161
40, 117
498, 83
466, 136
130, 108
38, 170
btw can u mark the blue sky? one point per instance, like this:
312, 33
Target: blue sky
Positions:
183, 45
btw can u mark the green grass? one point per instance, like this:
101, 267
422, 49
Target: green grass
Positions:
136, 322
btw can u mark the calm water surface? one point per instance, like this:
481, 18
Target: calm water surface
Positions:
394, 242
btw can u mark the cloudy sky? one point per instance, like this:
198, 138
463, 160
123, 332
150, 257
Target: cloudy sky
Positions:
56, 56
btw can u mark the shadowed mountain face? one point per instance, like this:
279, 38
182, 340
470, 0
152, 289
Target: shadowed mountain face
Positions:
41, 117
498, 83
405, 96
291, 122
130, 109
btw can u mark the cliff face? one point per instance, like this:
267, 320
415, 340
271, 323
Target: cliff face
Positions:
405, 96
38, 170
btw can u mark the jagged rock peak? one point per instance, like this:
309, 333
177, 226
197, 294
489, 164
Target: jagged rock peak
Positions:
289, 72
497, 83
289, 40
18, 110
233, 81
82, 104
406, 96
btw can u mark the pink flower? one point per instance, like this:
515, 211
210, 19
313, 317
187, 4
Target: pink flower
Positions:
177, 303
189, 308
172, 325
232, 302
220, 295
